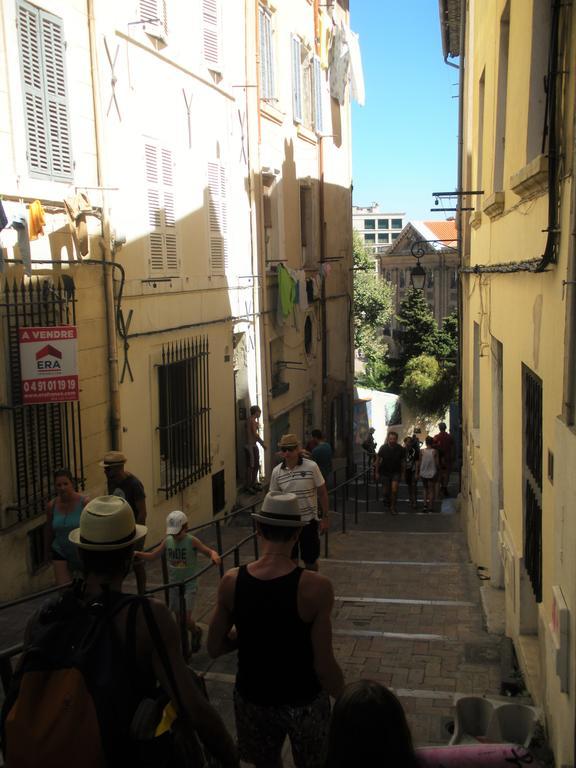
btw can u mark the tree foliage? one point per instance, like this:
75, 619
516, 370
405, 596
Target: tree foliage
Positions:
372, 310
425, 387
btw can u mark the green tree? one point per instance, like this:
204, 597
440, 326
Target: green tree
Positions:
372, 310
426, 388
419, 330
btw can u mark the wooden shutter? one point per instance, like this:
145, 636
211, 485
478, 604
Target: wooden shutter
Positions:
159, 168
46, 113
297, 79
218, 218
154, 11
211, 34
266, 56
317, 80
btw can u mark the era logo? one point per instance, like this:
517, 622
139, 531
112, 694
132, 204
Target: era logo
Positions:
49, 359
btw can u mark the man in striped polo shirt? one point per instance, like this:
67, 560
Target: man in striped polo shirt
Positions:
302, 476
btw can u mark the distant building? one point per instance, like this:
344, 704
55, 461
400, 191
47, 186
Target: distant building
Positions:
378, 230
437, 240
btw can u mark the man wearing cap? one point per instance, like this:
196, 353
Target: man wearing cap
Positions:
278, 616
127, 486
124, 484
106, 539
303, 477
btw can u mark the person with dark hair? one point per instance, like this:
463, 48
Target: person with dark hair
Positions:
444, 443
389, 466
251, 450
62, 516
123, 644
278, 616
322, 455
368, 728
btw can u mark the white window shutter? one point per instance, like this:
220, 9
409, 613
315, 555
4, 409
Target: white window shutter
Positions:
317, 76
159, 170
218, 218
266, 56
46, 112
211, 41
297, 79
154, 12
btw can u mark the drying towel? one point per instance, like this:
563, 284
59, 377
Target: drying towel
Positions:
36, 219
77, 207
286, 290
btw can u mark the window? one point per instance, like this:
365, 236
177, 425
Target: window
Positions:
297, 79
159, 168
394, 236
453, 279
501, 99
306, 86
154, 12
184, 408
538, 72
45, 436
401, 278
46, 113
383, 237
218, 218
211, 39
369, 237
430, 278
383, 224
532, 416
267, 85
369, 224
396, 223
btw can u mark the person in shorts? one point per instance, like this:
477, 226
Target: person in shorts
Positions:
389, 466
181, 558
302, 476
278, 616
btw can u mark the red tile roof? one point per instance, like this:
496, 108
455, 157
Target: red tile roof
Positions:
444, 230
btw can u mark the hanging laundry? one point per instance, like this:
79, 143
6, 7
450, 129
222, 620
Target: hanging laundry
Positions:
3, 217
339, 65
36, 219
77, 208
357, 91
20, 224
286, 290
302, 290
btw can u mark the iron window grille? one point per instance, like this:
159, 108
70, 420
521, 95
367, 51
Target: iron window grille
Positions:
184, 404
532, 393
45, 436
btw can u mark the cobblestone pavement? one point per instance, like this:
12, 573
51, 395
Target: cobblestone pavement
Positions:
407, 611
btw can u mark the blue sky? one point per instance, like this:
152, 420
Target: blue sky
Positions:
404, 139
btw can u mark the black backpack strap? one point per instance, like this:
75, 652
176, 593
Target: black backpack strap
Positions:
162, 653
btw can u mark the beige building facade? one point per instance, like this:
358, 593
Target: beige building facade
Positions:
181, 160
518, 330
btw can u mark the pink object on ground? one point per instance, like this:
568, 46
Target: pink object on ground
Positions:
476, 756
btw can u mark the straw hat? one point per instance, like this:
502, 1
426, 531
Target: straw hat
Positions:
107, 523
288, 441
112, 458
280, 509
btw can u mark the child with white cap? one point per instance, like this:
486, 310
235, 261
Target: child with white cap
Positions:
181, 557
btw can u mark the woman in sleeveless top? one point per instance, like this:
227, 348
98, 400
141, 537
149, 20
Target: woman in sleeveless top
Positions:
62, 516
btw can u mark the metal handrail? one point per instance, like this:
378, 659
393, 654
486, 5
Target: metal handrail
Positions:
7, 654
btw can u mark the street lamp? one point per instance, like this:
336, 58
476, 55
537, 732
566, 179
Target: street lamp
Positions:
417, 273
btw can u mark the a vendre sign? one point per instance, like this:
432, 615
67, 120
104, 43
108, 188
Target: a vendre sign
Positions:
48, 364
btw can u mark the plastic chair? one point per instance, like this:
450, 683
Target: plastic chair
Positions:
512, 723
473, 717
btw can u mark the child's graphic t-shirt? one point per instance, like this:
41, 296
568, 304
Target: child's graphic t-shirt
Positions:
182, 558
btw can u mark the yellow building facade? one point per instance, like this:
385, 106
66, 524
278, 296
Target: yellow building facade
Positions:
518, 333
183, 154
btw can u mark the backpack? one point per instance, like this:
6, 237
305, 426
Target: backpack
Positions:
73, 695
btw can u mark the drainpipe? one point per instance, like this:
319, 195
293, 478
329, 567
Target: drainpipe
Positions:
106, 251
323, 289
460, 219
